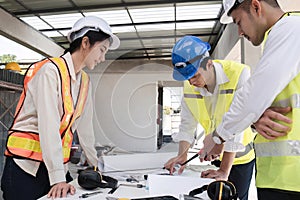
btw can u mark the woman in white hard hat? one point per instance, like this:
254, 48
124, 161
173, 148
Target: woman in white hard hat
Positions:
56, 101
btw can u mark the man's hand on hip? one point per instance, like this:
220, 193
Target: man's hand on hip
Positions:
271, 129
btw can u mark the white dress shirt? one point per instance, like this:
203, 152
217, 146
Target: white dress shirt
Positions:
42, 111
279, 64
189, 123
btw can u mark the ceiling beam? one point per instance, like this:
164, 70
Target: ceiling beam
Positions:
143, 23
157, 37
14, 29
110, 5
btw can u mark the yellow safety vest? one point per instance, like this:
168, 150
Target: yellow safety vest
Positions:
25, 144
195, 102
278, 161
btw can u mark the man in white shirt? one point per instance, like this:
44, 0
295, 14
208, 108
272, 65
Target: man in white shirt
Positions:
209, 88
273, 83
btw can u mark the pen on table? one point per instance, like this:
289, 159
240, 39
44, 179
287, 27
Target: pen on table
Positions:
115, 198
86, 195
133, 185
131, 179
113, 190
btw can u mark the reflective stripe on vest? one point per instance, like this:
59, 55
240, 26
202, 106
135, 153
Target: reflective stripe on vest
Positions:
195, 102
278, 161
280, 148
26, 144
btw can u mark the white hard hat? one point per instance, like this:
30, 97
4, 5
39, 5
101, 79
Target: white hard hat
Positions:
228, 5
92, 23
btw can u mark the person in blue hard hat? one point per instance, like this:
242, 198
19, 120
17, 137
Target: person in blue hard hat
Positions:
209, 88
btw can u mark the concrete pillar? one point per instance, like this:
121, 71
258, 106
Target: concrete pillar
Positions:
250, 54
227, 41
21, 33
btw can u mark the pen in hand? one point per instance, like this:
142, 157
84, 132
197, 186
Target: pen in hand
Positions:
192, 158
187, 161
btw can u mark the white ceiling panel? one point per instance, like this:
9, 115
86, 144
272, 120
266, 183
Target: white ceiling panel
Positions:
145, 27
152, 14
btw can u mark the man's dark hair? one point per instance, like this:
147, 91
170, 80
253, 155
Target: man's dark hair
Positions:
245, 5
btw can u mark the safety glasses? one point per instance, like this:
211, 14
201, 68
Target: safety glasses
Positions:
180, 65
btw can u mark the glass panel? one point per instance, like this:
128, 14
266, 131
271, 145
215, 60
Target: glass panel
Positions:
123, 29
156, 27
51, 33
195, 25
112, 17
197, 12
35, 22
152, 14
63, 20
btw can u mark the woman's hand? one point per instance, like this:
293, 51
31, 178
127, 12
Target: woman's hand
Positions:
61, 189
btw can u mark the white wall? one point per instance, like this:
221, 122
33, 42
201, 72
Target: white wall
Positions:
126, 105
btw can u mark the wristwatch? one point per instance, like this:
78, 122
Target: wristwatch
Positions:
217, 138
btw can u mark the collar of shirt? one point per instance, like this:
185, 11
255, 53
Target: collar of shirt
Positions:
221, 78
70, 64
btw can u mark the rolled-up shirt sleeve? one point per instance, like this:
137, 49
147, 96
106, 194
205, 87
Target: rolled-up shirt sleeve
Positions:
187, 126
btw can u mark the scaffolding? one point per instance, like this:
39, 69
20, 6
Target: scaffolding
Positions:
10, 91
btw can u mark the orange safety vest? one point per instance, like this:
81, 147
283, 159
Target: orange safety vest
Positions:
27, 144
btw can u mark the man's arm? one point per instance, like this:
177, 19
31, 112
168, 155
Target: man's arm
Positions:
187, 128
266, 126
180, 158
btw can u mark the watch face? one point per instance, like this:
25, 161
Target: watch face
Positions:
217, 140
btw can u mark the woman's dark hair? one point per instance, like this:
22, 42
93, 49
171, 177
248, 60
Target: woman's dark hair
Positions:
93, 36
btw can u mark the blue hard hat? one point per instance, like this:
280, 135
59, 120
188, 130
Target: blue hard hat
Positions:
187, 55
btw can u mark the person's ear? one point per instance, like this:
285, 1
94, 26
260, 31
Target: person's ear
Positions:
85, 43
209, 63
256, 5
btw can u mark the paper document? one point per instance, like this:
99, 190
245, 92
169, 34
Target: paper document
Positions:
135, 161
175, 185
